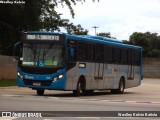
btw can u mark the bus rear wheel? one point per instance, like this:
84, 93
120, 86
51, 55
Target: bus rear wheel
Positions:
120, 89
40, 92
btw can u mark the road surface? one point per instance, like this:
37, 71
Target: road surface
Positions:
143, 98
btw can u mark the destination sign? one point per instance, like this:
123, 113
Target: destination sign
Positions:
43, 37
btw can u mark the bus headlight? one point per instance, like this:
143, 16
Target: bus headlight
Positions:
57, 78
19, 75
60, 76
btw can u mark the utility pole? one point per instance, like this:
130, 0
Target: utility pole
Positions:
95, 27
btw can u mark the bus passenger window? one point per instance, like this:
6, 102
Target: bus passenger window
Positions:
108, 54
72, 47
116, 55
99, 53
129, 56
137, 57
90, 52
123, 56
81, 52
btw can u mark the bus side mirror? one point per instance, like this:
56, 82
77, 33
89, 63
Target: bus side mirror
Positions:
17, 51
72, 53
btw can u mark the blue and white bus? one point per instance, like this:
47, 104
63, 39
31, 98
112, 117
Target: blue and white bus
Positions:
82, 64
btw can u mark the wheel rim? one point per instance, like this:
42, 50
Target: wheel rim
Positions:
79, 88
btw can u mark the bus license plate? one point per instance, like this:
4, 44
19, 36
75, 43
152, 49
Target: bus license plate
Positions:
36, 83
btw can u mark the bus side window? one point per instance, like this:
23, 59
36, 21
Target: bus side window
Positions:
72, 49
129, 57
123, 56
81, 53
116, 55
90, 52
99, 54
108, 54
137, 57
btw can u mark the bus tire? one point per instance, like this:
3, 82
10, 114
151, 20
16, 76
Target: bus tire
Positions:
40, 92
78, 90
80, 87
120, 89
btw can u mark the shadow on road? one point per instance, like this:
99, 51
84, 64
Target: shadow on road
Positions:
97, 93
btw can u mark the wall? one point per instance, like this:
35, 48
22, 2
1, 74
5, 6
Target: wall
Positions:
151, 67
7, 67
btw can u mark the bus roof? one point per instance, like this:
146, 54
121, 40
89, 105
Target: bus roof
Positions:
89, 38
103, 40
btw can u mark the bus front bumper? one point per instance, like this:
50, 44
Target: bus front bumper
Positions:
42, 84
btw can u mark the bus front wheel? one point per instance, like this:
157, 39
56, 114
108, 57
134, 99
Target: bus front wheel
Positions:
78, 90
40, 92
81, 86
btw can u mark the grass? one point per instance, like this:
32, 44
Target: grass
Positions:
6, 83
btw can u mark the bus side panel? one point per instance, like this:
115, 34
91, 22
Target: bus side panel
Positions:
136, 81
109, 74
123, 71
93, 83
120, 71
72, 77
89, 74
78, 70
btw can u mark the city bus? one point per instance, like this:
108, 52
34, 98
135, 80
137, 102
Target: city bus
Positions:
82, 64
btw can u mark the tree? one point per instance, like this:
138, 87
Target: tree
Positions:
16, 18
76, 29
33, 15
149, 41
105, 34
51, 19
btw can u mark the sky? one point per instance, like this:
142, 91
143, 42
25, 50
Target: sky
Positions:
119, 17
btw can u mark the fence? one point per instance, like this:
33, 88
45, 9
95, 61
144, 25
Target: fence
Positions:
151, 67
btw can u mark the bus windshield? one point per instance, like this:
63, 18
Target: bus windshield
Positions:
43, 55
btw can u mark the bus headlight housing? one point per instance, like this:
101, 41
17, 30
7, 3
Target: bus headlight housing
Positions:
57, 78
19, 75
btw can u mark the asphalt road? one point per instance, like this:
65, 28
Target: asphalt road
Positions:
143, 98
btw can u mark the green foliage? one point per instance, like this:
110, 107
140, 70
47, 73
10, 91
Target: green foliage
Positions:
78, 30
34, 15
6, 83
16, 18
149, 41
105, 34
125, 41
